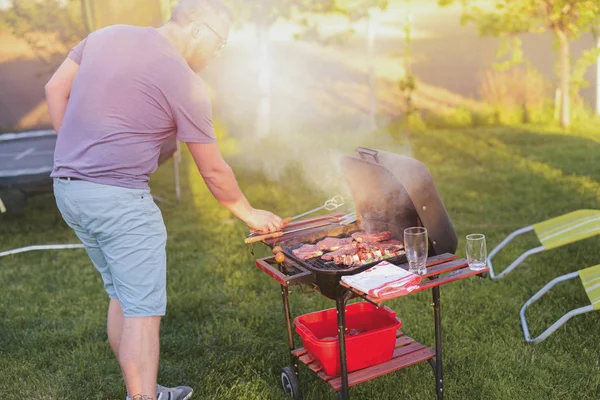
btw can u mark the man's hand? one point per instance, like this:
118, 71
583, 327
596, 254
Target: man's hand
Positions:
264, 221
222, 183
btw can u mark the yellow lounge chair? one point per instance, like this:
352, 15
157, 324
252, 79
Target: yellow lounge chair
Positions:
555, 232
590, 278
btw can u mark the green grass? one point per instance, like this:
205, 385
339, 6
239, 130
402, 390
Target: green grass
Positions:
224, 332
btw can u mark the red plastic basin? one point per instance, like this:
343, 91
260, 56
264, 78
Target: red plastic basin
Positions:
370, 336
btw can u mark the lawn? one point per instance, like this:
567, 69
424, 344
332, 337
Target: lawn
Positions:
224, 332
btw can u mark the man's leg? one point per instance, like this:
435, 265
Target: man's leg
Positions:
138, 355
72, 215
134, 244
131, 235
114, 325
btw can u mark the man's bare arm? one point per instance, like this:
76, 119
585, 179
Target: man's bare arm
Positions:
58, 91
222, 183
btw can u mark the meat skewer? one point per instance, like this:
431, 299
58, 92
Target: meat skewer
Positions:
348, 249
357, 254
362, 258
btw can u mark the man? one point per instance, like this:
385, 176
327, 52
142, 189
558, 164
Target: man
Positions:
121, 93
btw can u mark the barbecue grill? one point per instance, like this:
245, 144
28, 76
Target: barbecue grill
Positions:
391, 193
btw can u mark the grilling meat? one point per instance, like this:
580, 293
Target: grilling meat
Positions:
387, 246
371, 236
348, 259
357, 254
348, 249
365, 257
333, 243
360, 249
307, 251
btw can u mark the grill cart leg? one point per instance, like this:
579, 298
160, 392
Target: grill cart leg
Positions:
285, 294
340, 301
289, 375
439, 383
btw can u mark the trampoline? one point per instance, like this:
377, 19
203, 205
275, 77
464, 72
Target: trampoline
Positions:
26, 161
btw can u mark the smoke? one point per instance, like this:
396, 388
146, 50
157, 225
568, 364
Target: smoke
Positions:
318, 110
314, 158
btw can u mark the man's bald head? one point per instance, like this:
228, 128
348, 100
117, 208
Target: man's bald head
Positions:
188, 11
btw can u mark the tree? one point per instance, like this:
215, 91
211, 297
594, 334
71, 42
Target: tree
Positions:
568, 19
356, 10
52, 27
408, 84
49, 27
270, 11
264, 13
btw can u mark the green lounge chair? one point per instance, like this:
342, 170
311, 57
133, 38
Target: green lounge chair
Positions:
590, 278
555, 232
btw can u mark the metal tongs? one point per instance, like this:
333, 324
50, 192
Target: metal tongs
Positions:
330, 205
343, 219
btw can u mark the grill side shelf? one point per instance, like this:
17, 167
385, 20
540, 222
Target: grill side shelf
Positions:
296, 274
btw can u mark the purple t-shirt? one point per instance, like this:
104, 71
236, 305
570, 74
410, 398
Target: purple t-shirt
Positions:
133, 90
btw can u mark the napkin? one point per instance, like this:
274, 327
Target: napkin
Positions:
384, 281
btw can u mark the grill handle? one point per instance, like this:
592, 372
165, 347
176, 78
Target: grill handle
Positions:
364, 152
267, 266
260, 238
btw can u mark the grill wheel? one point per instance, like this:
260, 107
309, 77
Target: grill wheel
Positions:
290, 383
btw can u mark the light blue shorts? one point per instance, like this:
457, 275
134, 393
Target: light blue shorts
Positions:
125, 236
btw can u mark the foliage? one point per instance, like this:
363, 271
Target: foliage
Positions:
512, 52
518, 90
269, 11
511, 17
49, 27
568, 19
460, 117
358, 9
587, 59
408, 83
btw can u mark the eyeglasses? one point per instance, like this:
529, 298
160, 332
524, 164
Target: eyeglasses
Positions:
223, 40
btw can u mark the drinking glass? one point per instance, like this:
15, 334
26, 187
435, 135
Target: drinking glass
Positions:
416, 245
476, 251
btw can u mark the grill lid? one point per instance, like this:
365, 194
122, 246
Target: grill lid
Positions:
393, 192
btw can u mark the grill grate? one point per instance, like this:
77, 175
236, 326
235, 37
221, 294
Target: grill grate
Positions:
319, 265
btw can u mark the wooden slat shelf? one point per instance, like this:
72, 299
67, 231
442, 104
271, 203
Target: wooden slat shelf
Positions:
407, 352
356, 377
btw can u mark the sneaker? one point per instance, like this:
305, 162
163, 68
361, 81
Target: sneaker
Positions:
177, 393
